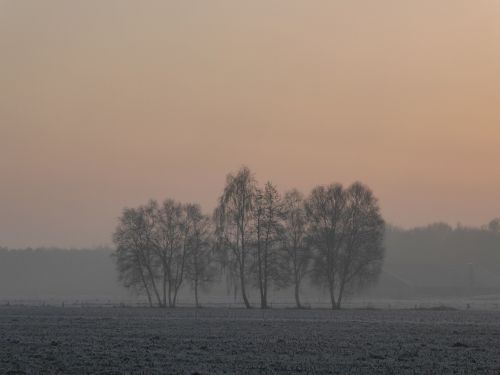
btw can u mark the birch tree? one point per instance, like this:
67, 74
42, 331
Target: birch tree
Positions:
233, 218
295, 241
268, 267
200, 267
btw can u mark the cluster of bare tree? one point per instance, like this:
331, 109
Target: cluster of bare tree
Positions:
257, 237
158, 247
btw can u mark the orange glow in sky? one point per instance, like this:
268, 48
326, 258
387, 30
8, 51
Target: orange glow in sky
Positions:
107, 104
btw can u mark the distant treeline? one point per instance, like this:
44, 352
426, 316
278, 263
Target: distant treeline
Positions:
57, 273
439, 243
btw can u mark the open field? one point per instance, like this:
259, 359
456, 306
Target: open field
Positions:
51, 340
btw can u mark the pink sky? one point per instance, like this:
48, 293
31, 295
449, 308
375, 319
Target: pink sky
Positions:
107, 104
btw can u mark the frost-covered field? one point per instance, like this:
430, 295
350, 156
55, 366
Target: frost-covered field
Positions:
70, 340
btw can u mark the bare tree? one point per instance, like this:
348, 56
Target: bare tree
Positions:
325, 209
200, 268
134, 253
153, 244
294, 239
494, 225
168, 241
179, 269
360, 260
346, 231
233, 217
268, 264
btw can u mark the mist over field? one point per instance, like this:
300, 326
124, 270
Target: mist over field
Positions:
446, 263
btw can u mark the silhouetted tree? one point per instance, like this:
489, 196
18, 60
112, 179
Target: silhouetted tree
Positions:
346, 231
268, 264
494, 225
200, 268
153, 245
325, 208
134, 253
361, 256
294, 239
233, 218
169, 241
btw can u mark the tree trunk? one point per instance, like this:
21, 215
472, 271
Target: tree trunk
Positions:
341, 293
176, 292
297, 294
148, 293
296, 275
242, 271
243, 289
179, 274
260, 276
260, 272
170, 301
149, 298
196, 293
144, 280
331, 287
262, 290
165, 289
155, 289
338, 303
196, 274
156, 294
266, 263
263, 303
263, 296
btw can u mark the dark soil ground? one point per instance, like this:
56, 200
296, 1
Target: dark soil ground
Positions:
79, 340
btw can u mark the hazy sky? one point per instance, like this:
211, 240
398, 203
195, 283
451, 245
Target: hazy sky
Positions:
105, 104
